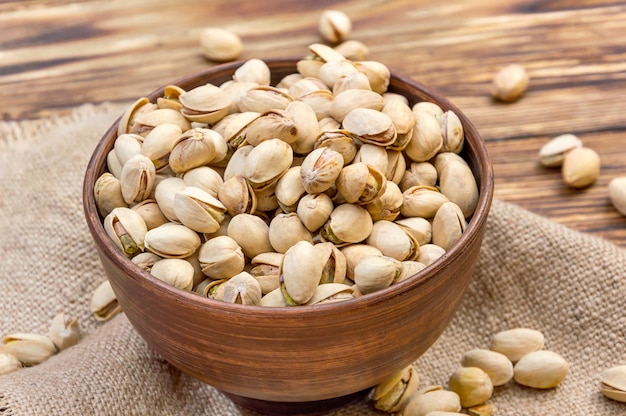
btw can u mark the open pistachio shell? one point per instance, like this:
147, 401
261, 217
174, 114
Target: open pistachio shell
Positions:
377, 73
300, 273
387, 205
64, 331
164, 193
426, 140
158, 144
392, 393
104, 304
205, 178
374, 273
270, 124
452, 132
206, 104
29, 349
266, 269
251, 233
237, 195
457, 182
351, 81
127, 146
289, 189
448, 225
128, 118
267, 162
221, 258
138, 179
429, 253
370, 126
263, 98
198, 210
172, 240
436, 400
274, 299
127, 230
320, 169
419, 174
354, 253
9, 363
334, 263
360, 183
243, 289
340, 141
393, 241
348, 100
348, 223
306, 124
422, 201
195, 147
331, 293
147, 120
150, 212
253, 70
108, 194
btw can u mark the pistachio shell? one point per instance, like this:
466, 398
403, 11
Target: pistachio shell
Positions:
472, 384
432, 401
243, 289
289, 189
428, 107
205, 178
237, 196
195, 147
334, 263
346, 101
353, 49
541, 370
175, 272
581, 167
300, 273
158, 144
615, 377
374, 273
351, 81
164, 194
206, 104
391, 394
396, 166
137, 179
448, 225
372, 155
29, 349
393, 241
274, 299
339, 141
127, 230
272, 124
64, 331
104, 304
330, 72
422, 201
126, 146
354, 253
331, 293
9, 363
553, 152
267, 162
145, 260
253, 70
429, 253
452, 132
128, 118
334, 26
251, 233
517, 342
348, 223
325, 53
219, 44
427, 138
309, 66
497, 366
370, 126
221, 258
306, 124
148, 120
150, 212
266, 269
286, 230
387, 205
238, 162
320, 101
360, 183
172, 241
113, 164
198, 210
314, 210
457, 182
419, 174
377, 73
263, 98
409, 269
419, 228
320, 169
108, 194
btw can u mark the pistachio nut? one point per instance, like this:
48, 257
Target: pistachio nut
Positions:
195, 147
334, 26
510, 83
331, 293
164, 193
403, 120
242, 289
346, 101
393, 241
613, 383
104, 304
452, 132
354, 253
64, 331
251, 233
286, 230
300, 273
29, 349
170, 100
419, 174
267, 162
265, 269
428, 107
172, 240
145, 260
233, 128
419, 228
289, 189
340, 141
457, 182
113, 164
391, 394
219, 44
581, 167
353, 49
373, 155
553, 152
472, 384
370, 126
147, 120
396, 166
422, 201
263, 98
175, 272
306, 124
158, 144
152, 215
319, 101
351, 81
348, 223
374, 273
330, 72
497, 366
198, 210
238, 162
205, 104
221, 258
137, 179
108, 194
8, 363
426, 139
253, 70
434, 400
429, 253
209, 288
314, 210
377, 73
334, 262
126, 146
409, 269
387, 205
517, 342
274, 299
320, 169
237, 196
540, 369
127, 229
272, 124
448, 225
127, 120
360, 183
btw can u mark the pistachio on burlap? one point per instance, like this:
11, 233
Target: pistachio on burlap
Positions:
541, 369
9, 363
497, 366
64, 331
29, 349
472, 384
391, 394
517, 342
613, 383
104, 304
431, 399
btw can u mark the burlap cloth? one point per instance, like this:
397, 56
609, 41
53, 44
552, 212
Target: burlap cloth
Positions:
532, 272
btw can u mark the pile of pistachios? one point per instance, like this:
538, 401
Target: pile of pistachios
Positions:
320, 188
21, 349
515, 354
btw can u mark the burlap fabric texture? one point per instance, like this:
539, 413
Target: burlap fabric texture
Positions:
531, 273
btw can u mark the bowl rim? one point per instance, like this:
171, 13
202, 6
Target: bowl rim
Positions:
472, 232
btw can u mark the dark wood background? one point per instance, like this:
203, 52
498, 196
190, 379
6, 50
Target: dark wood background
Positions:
55, 55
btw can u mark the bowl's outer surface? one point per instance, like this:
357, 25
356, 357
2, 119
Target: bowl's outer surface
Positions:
296, 354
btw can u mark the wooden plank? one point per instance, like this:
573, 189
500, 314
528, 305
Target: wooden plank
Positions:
55, 55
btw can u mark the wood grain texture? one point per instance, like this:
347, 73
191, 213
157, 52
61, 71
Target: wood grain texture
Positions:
55, 55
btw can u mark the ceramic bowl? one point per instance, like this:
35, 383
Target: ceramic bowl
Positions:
297, 359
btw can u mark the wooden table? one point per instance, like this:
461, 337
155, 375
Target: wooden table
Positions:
55, 55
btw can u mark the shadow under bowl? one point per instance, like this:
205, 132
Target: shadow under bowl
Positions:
298, 359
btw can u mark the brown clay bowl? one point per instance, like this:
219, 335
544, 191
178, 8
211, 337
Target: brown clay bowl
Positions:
298, 359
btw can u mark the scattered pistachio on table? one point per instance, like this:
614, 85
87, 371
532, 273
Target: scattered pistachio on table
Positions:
617, 193
334, 26
581, 167
510, 83
220, 45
